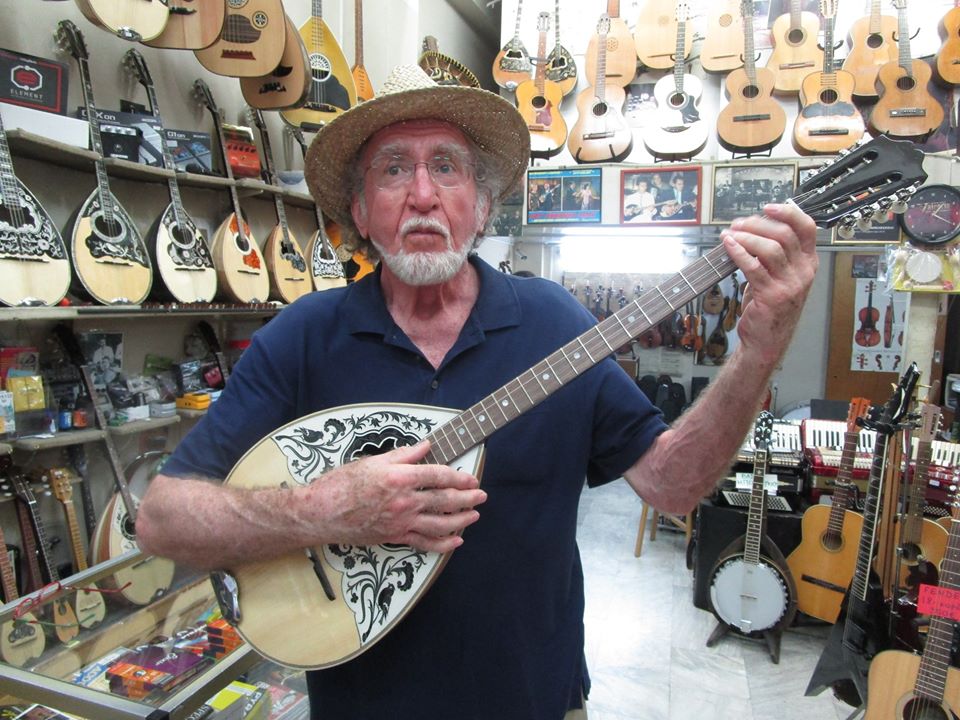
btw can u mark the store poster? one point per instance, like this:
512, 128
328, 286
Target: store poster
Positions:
879, 322
567, 195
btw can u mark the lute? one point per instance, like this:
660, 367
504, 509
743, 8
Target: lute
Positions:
191, 24
138, 22
288, 83
251, 40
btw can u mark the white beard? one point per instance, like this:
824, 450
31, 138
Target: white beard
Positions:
425, 268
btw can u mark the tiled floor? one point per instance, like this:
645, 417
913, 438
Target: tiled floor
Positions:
646, 642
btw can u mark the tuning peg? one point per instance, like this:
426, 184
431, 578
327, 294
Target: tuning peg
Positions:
845, 231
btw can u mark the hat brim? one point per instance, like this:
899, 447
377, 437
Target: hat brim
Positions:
486, 118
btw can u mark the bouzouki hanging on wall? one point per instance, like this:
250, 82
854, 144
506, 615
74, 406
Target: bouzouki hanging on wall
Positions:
796, 53
251, 41
873, 42
139, 21
561, 67
289, 82
512, 65
538, 102
360, 77
191, 24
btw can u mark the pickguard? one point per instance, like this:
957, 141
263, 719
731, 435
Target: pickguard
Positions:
31, 236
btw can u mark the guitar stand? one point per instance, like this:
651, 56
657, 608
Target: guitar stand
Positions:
748, 155
770, 637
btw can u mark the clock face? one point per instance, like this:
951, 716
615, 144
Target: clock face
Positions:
932, 216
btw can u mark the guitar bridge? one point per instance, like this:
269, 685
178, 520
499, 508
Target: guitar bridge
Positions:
908, 112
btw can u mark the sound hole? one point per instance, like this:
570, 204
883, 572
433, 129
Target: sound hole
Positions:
874, 41
243, 244
922, 709
906, 83
109, 230
538, 102
726, 19
751, 91
678, 100
795, 36
829, 96
600, 109
911, 553
181, 237
831, 541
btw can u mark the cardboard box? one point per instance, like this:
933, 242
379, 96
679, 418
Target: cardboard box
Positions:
33, 82
191, 151
61, 128
147, 126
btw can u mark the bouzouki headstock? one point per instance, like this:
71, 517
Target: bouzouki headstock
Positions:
69, 37
134, 63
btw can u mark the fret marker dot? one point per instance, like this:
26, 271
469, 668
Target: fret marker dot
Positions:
461, 431
632, 318
676, 290
505, 403
576, 356
482, 418
545, 376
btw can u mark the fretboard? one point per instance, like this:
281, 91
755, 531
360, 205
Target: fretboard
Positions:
795, 15
8, 181
841, 496
757, 510
829, 77
516, 29
749, 48
168, 163
903, 41
871, 512
8, 581
96, 143
358, 29
678, 58
875, 17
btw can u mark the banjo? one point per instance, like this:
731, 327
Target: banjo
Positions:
354, 595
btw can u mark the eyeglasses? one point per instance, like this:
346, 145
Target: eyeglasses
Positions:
394, 172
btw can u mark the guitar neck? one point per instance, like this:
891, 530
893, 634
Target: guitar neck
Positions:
76, 542
841, 497
271, 172
829, 76
541, 73
679, 57
903, 40
8, 581
316, 24
601, 84
298, 136
168, 163
234, 198
516, 29
756, 515
932, 675
875, 17
795, 15
28, 538
556, 22
913, 520
96, 143
29, 501
358, 30
871, 512
749, 47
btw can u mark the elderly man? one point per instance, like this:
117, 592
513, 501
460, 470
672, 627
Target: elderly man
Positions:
413, 176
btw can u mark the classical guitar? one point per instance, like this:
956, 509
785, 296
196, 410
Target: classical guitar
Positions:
241, 270
867, 334
795, 50
110, 259
251, 40
286, 266
512, 64
678, 132
656, 28
723, 46
751, 588
332, 89
873, 42
561, 67
191, 24
538, 102
89, 606
824, 562
325, 267
906, 109
828, 121
268, 596
948, 58
288, 83
34, 269
601, 133
140, 21
443, 69
617, 48
177, 247
360, 77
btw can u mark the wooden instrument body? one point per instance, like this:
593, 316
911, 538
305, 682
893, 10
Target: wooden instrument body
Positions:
183, 259
900, 92
828, 121
932, 547
512, 64
948, 58
113, 268
601, 133
655, 36
795, 51
33, 258
286, 267
541, 112
869, 51
325, 268
361, 80
288, 83
251, 41
679, 131
241, 270
892, 695
822, 568
355, 265
621, 55
131, 21
195, 29
23, 641
273, 591
562, 69
722, 49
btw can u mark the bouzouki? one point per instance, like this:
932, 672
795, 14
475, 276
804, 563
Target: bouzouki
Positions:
110, 259
176, 245
561, 67
795, 50
34, 269
948, 58
723, 47
360, 77
873, 42
241, 270
617, 48
512, 64
828, 121
288, 83
733, 305
259, 597
191, 24
251, 40
538, 102
717, 343
656, 28
139, 21
906, 109
824, 562
332, 90
286, 266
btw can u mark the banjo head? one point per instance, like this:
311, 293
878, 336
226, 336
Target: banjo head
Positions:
750, 598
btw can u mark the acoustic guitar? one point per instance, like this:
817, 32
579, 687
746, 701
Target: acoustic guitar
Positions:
828, 121
601, 133
34, 269
723, 46
538, 102
617, 48
251, 40
286, 265
241, 270
332, 89
139, 21
678, 132
351, 608
906, 109
752, 121
824, 562
512, 64
110, 260
656, 28
948, 58
873, 42
191, 24
360, 77
288, 83
561, 67
177, 247
795, 50
443, 69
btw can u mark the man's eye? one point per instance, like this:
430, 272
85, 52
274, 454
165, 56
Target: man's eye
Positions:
444, 168
394, 169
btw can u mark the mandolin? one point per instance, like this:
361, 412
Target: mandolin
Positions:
241, 271
561, 67
512, 64
332, 90
752, 121
288, 83
110, 259
678, 132
723, 47
795, 50
618, 50
873, 42
177, 247
443, 69
353, 608
717, 343
601, 133
948, 58
191, 24
713, 300
656, 28
360, 78
828, 121
34, 269
251, 40
286, 265
139, 21
538, 102
906, 109
867, 334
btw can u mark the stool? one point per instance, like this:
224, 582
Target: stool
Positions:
683, 522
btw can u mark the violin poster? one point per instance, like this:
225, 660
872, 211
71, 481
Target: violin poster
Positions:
879, 327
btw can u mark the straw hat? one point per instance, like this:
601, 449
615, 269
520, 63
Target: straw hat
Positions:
409, 94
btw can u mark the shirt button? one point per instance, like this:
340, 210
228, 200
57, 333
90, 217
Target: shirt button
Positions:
435, 384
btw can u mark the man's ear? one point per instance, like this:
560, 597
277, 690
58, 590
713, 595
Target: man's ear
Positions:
359, 211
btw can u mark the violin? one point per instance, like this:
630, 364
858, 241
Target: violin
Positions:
867, 334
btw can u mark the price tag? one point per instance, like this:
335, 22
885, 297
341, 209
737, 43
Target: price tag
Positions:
939, 602
745, 482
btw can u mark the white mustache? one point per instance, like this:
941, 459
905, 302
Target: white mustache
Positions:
416, 224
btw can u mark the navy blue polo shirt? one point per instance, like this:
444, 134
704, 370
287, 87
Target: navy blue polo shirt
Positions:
500, 633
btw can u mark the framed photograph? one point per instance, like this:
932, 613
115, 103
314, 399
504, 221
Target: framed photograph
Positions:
508, 222
741, 189
659, 196
104, 352
564, 195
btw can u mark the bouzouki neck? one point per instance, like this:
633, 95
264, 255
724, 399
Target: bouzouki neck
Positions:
8, 181
34, 576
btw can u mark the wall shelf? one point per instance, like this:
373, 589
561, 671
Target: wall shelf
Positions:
63, 439
139, 426
43, 148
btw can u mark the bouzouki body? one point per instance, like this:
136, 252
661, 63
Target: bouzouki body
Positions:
561, 67
795, 50
139, 21
191, 25
288, 83
873, 42
251, 41
512, 64
723, 46
241, 269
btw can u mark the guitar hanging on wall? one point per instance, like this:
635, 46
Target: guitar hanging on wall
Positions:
512, 65
655, 31
723, 46
948, 58
795, 51
251, 41
538, 102
191, 24
138, 22
873, 42
617, 48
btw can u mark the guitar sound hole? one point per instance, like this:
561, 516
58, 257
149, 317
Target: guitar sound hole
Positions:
829, 96
911, 553
678, 100
874, 41
922, 709
751, 91
600, 109
796, 36
906, 83
538, 102
831, 541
